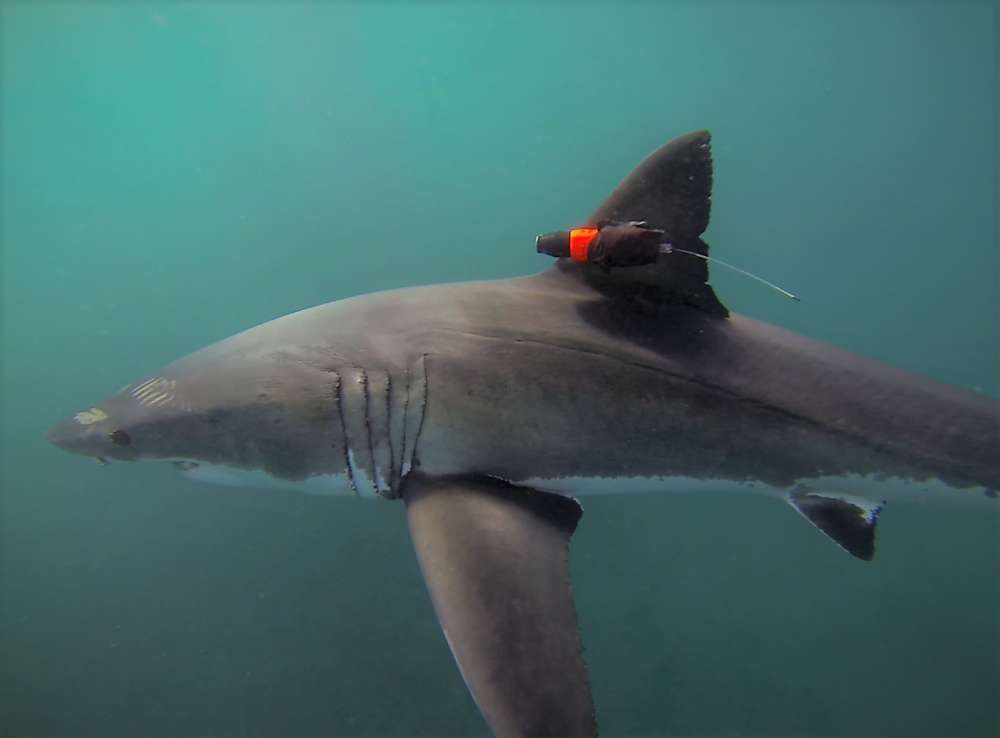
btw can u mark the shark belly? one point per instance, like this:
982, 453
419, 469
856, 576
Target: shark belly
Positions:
231, 476
890, 490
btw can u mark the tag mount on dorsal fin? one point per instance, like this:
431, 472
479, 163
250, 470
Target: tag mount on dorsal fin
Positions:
671, 191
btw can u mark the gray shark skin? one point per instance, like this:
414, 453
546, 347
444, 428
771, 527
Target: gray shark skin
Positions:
487, 406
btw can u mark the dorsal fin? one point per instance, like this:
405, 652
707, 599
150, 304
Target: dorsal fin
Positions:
671, 189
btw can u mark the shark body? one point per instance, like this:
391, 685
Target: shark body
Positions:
489, 406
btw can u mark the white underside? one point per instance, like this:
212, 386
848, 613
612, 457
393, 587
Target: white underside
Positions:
868, 487
228, 476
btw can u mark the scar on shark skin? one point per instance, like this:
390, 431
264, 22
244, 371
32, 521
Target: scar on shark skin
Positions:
89, 417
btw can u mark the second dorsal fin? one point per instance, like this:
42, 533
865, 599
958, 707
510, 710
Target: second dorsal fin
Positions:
671, 189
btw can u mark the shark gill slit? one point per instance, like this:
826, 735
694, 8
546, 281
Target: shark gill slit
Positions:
363, 379
423, 408
393, 475
406, 419
339, 395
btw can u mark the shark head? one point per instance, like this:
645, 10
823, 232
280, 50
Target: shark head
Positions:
108, 431
245, 408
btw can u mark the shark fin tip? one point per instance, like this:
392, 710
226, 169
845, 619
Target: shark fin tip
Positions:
847, 520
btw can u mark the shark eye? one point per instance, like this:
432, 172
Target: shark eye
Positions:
121, 438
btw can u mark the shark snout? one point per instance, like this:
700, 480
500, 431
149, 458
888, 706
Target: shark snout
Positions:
64, 434
68, 435
91, 432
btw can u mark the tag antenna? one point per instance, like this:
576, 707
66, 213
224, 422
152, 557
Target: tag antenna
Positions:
666, 248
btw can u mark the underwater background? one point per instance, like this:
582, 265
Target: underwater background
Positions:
177, 172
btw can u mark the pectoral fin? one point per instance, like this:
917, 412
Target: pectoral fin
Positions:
496, 562
849, 521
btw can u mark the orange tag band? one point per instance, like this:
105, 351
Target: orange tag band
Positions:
579, 242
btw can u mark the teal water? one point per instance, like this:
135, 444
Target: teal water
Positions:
174, 173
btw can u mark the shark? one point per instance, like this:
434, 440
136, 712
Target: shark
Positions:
490, 408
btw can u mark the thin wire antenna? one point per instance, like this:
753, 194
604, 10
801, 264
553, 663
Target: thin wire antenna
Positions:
666, 248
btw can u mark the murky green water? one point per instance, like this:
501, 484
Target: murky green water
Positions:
174, 173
